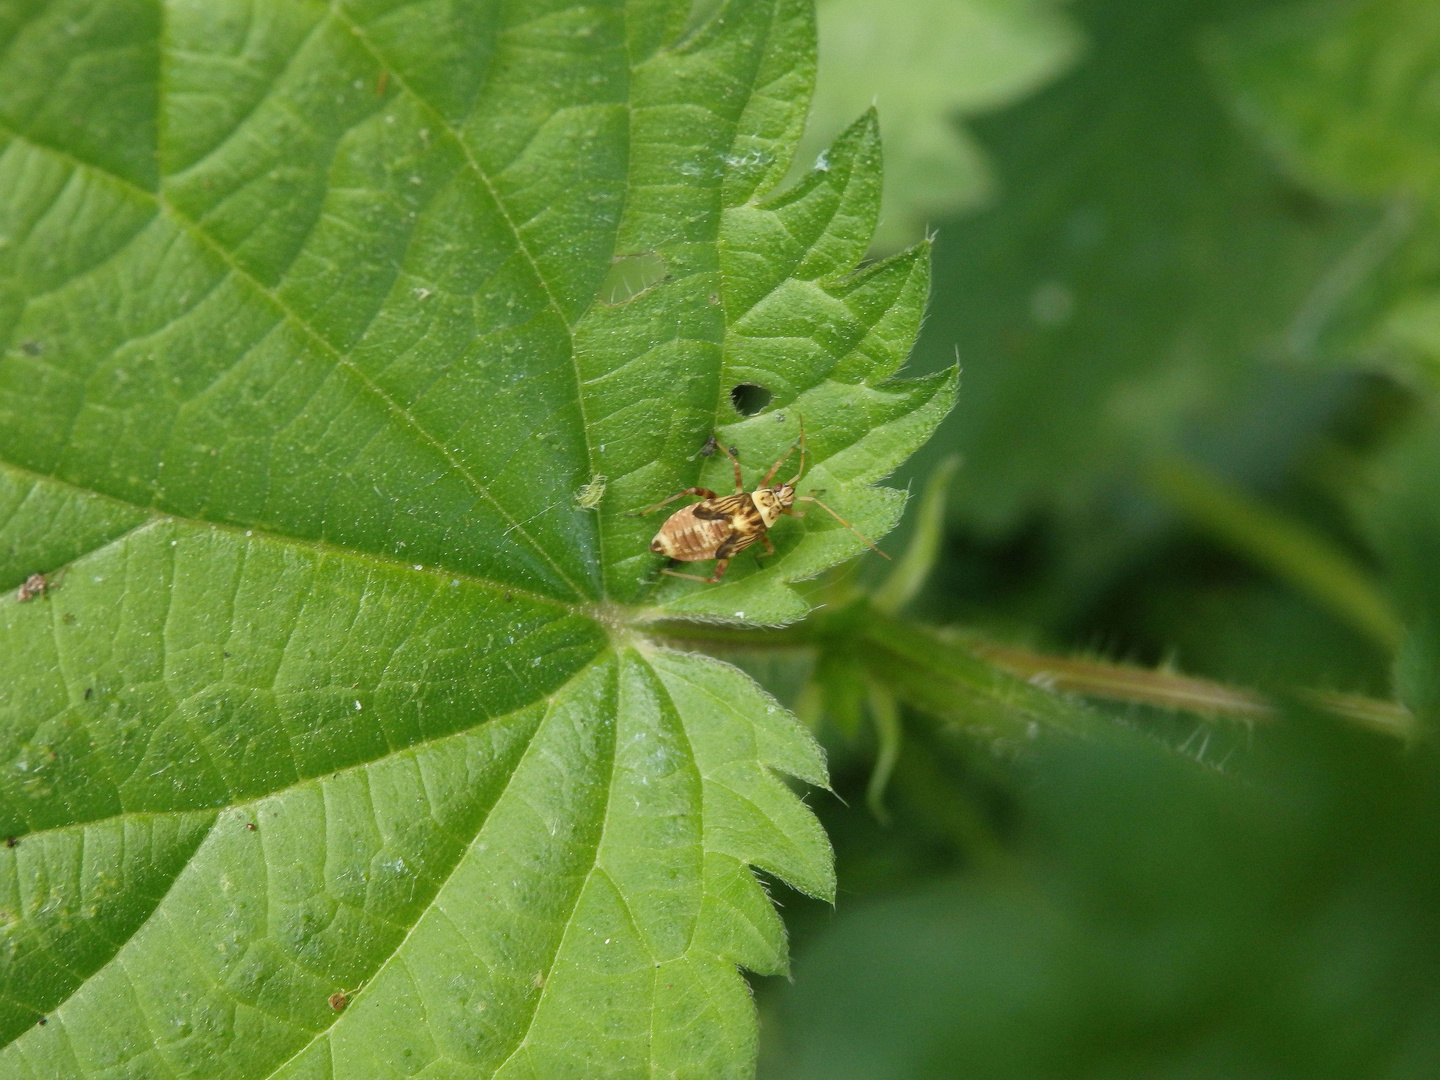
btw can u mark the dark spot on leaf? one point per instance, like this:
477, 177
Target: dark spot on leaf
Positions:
89, 690
10, 841
630, 275
42, 1021
508, 596
749, 399
32, 348
711, 445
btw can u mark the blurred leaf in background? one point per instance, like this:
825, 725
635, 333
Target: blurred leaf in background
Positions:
1346, 98
1197, 424
1149, 285
1160, 920
1143, 260
927, 64
1402, 509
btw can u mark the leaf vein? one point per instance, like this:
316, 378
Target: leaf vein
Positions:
520, 243
341, 361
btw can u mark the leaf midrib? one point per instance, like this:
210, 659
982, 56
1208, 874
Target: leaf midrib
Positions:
294, 317
193, 229
521, 246
373, 559
550, 700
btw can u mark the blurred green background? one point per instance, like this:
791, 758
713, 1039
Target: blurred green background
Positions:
1187, 253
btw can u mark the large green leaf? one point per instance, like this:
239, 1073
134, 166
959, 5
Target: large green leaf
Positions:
339, 340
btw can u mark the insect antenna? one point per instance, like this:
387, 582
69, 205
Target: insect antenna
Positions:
796, 478
842, 521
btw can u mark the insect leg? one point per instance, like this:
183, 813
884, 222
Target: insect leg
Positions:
801, 471
739, 484
704, 493
776, 468
842, 521
720, 565
769, 547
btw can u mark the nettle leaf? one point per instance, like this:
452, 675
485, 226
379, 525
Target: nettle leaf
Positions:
1345, 98
338, 341
930, 64
1343, 95
1142, 277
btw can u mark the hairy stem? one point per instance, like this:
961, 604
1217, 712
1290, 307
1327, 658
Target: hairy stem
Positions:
1163, 689
953, 674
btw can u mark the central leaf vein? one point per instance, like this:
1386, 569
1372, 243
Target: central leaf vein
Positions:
484, 177
343, 362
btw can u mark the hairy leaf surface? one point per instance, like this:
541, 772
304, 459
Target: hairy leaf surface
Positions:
338, 342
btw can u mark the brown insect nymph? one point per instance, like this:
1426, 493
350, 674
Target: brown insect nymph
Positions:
35, 585
720, 528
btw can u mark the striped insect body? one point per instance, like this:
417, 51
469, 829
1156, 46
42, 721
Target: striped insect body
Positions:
720, 527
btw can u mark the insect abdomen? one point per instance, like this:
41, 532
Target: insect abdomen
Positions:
688, 538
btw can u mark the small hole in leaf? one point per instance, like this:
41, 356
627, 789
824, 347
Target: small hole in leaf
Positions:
630, 275
749, 398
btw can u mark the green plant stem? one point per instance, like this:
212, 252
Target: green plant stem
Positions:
1002, 690
1162, 689
1283, 546
888, 732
